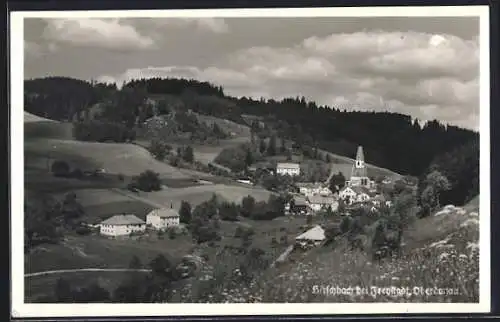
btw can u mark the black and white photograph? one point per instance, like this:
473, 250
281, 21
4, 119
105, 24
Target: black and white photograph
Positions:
264, 156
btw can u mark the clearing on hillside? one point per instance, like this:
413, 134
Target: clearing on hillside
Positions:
198, 194
39, 127
127, 159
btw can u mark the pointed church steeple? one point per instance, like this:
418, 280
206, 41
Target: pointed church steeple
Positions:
359, 172
360, 157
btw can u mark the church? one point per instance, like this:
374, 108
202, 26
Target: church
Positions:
359, 175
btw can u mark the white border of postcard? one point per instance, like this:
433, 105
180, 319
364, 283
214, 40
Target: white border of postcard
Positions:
21, 309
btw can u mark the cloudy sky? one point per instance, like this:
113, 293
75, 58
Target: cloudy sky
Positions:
424, 67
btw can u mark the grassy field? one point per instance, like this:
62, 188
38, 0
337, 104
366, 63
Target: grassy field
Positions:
40, 286
42, 180
198, 194
95, 251
127, 159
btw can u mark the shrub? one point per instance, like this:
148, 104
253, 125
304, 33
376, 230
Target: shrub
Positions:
146, 181
60, 168
83, 230
185, 212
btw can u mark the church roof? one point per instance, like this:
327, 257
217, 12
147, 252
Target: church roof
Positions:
125, 219
359, 154
359, 172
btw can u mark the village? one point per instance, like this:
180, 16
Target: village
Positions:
306, 199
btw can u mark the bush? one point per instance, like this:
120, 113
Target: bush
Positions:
147, 181
229, 211
185, 212
60, 168
83, 231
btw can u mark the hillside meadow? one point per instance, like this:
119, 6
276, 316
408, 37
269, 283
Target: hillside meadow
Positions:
441, 252
198, 194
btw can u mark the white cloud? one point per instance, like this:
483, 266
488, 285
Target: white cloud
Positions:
111, 34
424, 75
215, 25
33, 50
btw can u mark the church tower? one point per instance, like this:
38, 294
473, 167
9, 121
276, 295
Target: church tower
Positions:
359, 175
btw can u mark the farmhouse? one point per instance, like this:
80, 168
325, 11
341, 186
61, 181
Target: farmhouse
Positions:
355, 194
318, 203
292, 169
313, 237
362, 194
122, 225
298, 205
312, 189
163, 218
378, 200
347, 194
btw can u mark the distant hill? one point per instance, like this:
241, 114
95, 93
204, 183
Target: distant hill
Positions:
390, 140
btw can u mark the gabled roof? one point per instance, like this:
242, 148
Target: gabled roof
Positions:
316, 233
123, 220
299, 201
288, 165
347, 188
321, 200
310, 185
165, 213
358, 190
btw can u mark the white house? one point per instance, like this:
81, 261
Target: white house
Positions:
313, 237
348, 195
355, 194
163, 218
298, 205
122, 225
311, 189
319, 202
292, 169
362, 194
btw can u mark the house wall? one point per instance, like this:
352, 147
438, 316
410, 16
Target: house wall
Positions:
318, 207
362, 197
121, 230
289, 171
162, 223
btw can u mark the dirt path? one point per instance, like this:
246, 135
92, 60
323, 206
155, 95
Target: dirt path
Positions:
63, 271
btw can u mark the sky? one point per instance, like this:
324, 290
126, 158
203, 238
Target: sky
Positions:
426, 67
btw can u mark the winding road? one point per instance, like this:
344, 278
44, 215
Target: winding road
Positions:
63, 271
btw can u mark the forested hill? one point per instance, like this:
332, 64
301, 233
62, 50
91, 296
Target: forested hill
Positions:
390, 140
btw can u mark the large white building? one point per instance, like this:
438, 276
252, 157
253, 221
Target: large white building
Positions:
355, 194
311, 189
318, 203
292, 169
163, 218
122, 225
